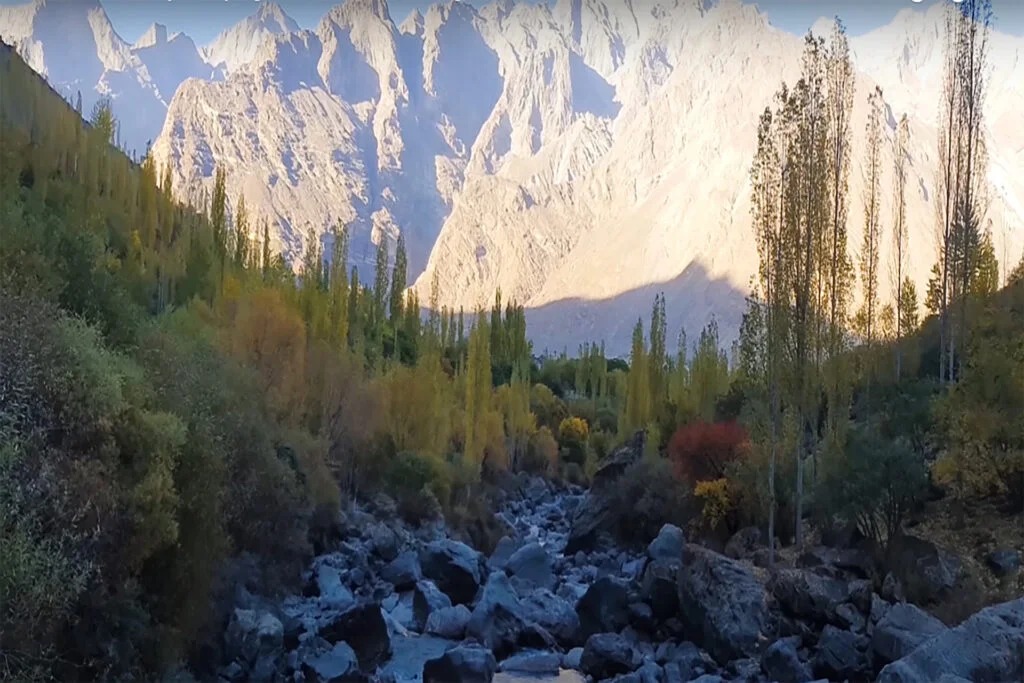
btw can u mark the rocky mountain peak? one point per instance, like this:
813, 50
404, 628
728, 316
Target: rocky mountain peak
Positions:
154, 35
237, 46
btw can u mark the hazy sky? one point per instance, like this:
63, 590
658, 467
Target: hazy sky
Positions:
204, 19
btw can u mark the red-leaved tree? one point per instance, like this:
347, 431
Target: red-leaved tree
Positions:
702, 450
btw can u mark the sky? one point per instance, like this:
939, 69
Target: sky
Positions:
204, 19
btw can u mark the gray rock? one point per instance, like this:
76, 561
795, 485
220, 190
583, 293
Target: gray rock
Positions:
743, 543
686, 658
781, 662
841, 655
461, 665
427, 598
498, 622
606, 655
556, 615
252, 634
571, 659
849, 617
333, 593
383, 541
659, 587
641, 617
985, 649
502, 552
366, 632
604, 608
668, 546
648, 673
594, 512
903, 628
1003, 562
454, 567
340, 664
721, 603
805, 594
928, 572
532, 663
404, 571
448, 622
532, 564
892, 589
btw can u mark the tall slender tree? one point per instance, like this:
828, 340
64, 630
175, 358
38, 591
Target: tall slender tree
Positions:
869, 254
899, 233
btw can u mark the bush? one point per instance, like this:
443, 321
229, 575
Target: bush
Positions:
702, 451
646, 497
573, 435
717, 502
541, 453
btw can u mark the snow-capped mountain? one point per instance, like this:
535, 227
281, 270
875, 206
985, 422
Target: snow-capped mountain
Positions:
581, 156
73, 44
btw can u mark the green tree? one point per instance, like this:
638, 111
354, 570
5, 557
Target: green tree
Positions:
478, 390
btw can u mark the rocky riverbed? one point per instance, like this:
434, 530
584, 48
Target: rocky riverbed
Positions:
397, 604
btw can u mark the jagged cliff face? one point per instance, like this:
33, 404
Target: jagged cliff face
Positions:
580, 156
72, 43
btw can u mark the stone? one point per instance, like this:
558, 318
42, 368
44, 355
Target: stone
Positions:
427, 598
571, 659
606, 655
686, 659
903, 628
648, 673
461, 665
743, 543
1003, 562
659, 587
403, 572
849, 617
781, 662
928, 572
364, 629
556, 615
594, 513
340, 664
498, 622
252, 634
721, 604
532, 564
604, 607
454, 567
805, 594
448, 622
841, 655
641, 617
333, 593
985, 648
532, 663
668, 545
383, 541
502, 552
892, 589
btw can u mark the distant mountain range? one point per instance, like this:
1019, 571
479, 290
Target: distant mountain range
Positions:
581, 157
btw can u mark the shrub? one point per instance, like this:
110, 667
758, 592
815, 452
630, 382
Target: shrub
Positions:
645, 498
573, 434
541, 453
549, 409
717, 502
702, 451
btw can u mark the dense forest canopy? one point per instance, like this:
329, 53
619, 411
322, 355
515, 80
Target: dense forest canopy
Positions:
173, 396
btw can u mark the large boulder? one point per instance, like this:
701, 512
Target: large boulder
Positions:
538, 663
338, 665
842, 655
659, 587
333, 593
668, 546
532, 565
253, 634
498, 621
553, 613
743, 543
928, 572
427, 598
448, 622
803, 593
721, 604
502, 552
364, 629
404, 571
781, 662
604, 608
454, 567
1003, 562
461, 665
594, 513
384, 541
986, 648
608, 654
901, 630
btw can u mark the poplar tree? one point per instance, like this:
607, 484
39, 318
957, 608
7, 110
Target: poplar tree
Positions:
899, 232
478, 390
869, 250
638, 396
338, 282
241, 233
